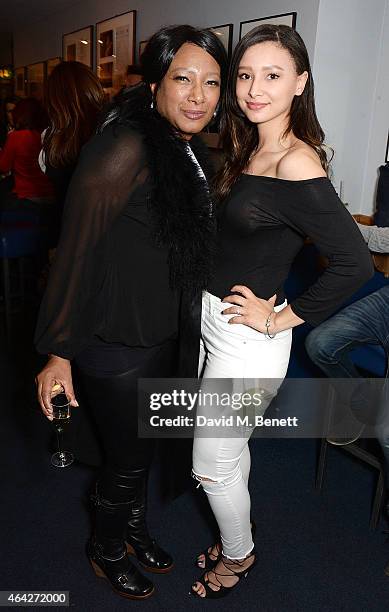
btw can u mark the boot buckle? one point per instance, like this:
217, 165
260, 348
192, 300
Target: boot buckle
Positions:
123, 579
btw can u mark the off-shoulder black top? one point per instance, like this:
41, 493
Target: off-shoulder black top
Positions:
262, 227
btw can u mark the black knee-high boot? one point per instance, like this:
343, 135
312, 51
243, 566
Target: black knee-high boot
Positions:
113, 401
107, 551
151, 556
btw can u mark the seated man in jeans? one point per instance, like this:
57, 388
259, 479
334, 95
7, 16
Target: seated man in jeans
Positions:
363, 322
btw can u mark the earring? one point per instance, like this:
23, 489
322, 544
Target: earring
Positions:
215, 113
152, 104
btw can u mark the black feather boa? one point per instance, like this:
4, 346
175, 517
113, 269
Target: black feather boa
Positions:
180, 202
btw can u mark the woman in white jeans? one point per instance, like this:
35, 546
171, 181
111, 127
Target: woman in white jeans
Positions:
273, 192
249, 354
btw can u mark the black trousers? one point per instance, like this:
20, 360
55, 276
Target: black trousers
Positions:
112, 401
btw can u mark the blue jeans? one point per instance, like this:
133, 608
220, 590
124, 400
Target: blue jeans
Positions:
329, 345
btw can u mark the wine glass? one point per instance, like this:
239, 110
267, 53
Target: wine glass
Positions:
61, 420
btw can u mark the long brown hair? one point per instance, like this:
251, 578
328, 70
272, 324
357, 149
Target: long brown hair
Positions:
74, 99
239, 136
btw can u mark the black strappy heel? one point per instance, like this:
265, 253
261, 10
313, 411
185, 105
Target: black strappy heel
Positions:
222, 590
209, 562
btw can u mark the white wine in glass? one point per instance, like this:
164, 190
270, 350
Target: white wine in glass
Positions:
61, 420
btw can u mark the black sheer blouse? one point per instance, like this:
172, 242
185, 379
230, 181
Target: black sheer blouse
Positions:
109, 278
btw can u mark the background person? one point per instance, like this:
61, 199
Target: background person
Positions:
362, 323
6, 126
74, 100
133, 75
32, 189
6, 117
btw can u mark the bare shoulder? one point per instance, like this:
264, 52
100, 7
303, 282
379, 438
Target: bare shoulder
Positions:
300, 163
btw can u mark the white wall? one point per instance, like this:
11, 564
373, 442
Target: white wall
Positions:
41, 40
352, 92
379, 124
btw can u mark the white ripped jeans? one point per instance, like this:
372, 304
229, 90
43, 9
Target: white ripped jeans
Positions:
235, 352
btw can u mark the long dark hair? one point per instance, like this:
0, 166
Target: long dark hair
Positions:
154, 64
5, 124
74, 99
239, 136
3, 108
29, 114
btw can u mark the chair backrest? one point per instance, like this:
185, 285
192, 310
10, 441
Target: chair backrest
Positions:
20, 218
18, 241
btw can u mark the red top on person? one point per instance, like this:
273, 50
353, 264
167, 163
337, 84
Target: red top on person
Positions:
20, 155
21, 151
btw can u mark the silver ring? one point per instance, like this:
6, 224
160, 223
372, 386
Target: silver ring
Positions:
238, 310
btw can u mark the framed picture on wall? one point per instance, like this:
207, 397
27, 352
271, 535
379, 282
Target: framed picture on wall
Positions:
225, 33
288, 19
115, 49
35, 80
142, 46
52, 63
77, 46
20, 81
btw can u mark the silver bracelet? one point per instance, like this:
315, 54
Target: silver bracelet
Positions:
267, 325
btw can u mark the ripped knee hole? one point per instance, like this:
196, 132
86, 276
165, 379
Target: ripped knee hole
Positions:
202, 478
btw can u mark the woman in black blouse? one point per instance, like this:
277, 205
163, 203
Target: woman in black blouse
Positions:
274, 192
136, 235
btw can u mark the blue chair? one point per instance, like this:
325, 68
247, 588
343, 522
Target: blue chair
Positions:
20, 217
373, 360
19, 238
